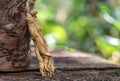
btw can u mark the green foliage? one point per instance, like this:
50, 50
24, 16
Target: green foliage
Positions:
81, 25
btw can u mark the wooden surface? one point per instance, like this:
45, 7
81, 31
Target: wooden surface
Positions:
70, 66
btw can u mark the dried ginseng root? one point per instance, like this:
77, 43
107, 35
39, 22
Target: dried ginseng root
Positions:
41, 49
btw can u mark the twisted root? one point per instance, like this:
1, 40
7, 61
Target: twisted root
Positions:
41, 49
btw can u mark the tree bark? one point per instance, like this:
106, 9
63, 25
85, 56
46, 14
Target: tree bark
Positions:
93, 7
30, 5
14, 35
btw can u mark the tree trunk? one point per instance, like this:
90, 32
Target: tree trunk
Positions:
14, 35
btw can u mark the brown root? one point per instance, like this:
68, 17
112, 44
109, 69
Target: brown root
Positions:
41, 49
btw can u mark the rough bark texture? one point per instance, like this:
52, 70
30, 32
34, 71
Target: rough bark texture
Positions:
14, 35
30, 5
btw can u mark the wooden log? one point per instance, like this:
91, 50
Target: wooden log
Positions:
71, 66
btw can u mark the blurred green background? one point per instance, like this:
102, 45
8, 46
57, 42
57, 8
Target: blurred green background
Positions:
91, 26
